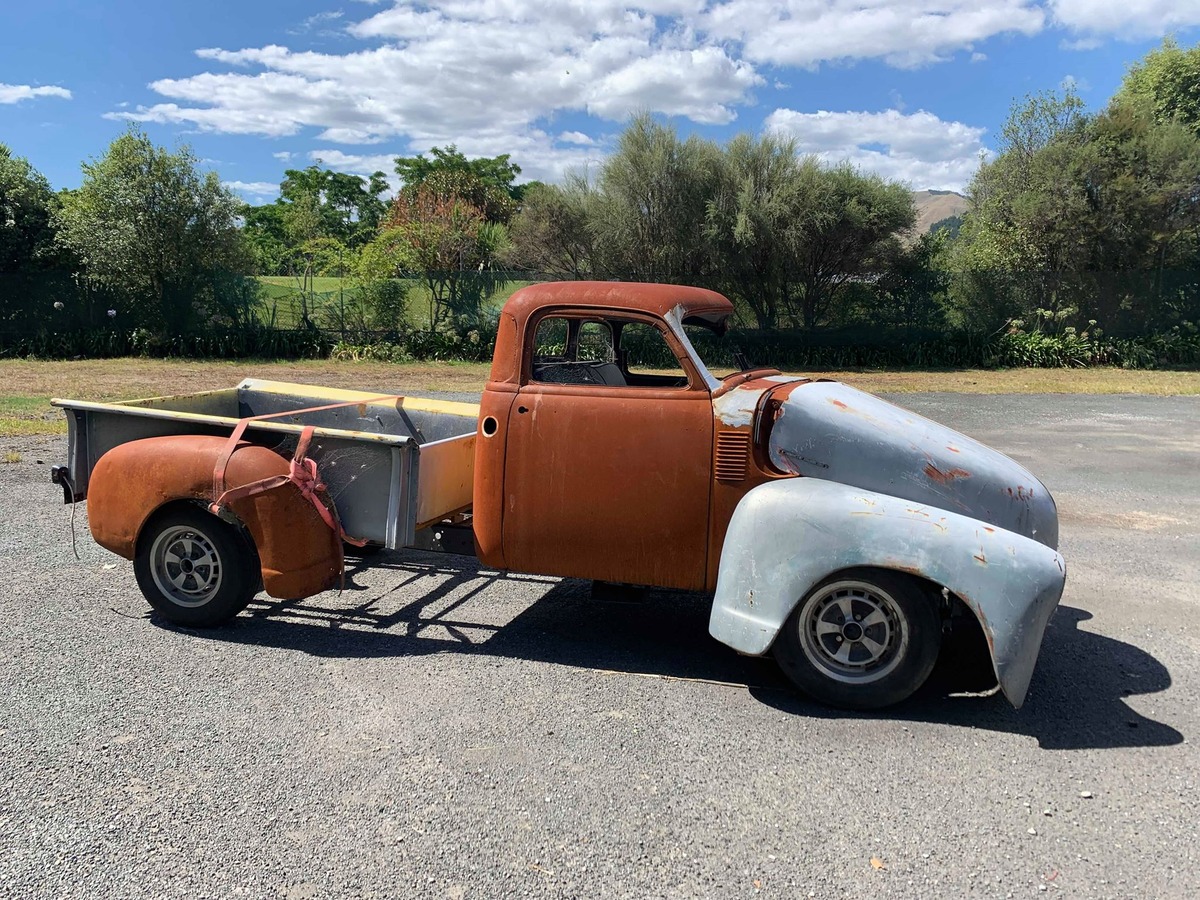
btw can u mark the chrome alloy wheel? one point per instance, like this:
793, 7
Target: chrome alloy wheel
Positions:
853, 632
186, 566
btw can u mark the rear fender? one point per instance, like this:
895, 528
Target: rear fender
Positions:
787, 536
299, 553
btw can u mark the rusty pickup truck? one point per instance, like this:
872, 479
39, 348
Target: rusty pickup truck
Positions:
835, 530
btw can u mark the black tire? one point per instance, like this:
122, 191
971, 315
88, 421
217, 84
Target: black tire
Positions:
878, 656
195, 569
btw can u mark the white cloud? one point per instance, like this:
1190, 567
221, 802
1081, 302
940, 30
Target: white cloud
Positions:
576, 137
903, 33
494, 75
494, 71
1129, 19
15, 93
283, 155
253, 188
919, 148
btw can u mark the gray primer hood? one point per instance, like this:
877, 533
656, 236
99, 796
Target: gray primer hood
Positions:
828, 430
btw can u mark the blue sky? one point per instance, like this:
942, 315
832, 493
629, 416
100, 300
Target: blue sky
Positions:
913, 89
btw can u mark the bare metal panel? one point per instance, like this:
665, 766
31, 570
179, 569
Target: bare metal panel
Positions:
788, 535
446, 478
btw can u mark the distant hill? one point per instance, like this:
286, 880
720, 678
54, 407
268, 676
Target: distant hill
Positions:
933, 206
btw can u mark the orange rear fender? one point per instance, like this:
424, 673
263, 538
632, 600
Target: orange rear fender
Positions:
299, 553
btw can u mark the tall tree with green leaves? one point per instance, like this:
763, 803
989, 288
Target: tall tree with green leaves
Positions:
27, 205
552, 233
149, 225
1025, 237
653, 193
485, 183
851, 224
754, 224
1166, 82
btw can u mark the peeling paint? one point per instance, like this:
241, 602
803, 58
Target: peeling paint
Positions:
945, 477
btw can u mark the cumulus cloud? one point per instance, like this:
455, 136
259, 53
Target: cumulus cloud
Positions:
1131, 19
491, 75
918, 148
15, 93
903, 33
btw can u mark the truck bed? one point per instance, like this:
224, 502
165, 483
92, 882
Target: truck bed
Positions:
392, 465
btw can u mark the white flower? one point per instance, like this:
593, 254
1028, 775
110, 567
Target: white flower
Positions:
58, 304
112, 313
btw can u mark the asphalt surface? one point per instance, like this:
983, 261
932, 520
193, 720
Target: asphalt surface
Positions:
439, 730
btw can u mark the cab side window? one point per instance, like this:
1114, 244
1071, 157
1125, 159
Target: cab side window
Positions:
612, 352
575, 351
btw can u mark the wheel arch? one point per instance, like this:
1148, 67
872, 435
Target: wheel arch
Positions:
228, 518
786, 537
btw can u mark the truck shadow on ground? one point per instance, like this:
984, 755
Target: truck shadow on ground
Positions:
1076, 700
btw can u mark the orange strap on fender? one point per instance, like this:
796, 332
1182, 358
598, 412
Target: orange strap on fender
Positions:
302, 470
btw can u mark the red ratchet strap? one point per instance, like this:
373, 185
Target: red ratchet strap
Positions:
302, 471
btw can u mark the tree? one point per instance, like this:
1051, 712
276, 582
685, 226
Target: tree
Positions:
27, 205
850, 226
1097, 219
1025, 233
552, 233
321, 203
754, 222
649, 217
1166, 82
148, 224
449, 243
485, 183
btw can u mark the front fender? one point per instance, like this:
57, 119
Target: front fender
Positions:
786, 536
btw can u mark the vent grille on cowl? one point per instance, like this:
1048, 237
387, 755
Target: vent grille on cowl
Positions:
733, 455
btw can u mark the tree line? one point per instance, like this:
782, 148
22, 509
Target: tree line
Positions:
1080, 222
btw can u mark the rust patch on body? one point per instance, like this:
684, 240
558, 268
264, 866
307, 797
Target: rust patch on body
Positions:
945, 477
980, 558
838, 403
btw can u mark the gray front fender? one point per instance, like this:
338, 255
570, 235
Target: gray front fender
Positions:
786, 536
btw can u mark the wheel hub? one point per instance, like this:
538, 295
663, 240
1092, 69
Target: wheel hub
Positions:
852, 631
186, 566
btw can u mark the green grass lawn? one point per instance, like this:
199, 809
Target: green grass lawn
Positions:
331, 300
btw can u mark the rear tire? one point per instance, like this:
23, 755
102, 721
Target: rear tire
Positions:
195, 569
861, 639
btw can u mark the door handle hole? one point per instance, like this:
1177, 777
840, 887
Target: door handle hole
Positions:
490, 425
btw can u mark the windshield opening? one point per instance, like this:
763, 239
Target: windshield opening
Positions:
719, 354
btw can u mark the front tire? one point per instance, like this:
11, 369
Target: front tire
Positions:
195, 569
861, 639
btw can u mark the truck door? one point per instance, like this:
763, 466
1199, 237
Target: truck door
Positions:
608, 463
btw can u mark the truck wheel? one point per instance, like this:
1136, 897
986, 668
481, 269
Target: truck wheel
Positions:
195, 569
862, 639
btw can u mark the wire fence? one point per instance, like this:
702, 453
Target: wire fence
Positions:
920, 319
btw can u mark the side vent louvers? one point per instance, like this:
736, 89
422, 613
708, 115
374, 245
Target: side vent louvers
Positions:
733, 454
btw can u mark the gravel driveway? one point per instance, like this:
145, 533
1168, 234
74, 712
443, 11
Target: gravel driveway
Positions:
445, 731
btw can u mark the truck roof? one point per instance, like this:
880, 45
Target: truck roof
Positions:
659, 299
